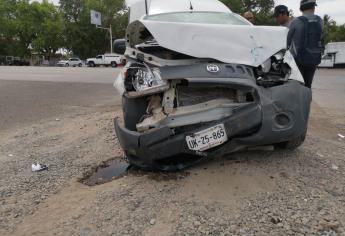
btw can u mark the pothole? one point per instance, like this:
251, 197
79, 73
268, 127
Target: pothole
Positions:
108, 171
117, 168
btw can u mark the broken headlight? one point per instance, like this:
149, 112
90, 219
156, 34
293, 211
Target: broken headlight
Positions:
274, 71
147, 78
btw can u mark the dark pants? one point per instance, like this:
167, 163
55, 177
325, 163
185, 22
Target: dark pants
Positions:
308, 73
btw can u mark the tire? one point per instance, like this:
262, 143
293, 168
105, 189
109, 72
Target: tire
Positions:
66, 65
292, 144
80, 65
133, 110
113, 64
91, 64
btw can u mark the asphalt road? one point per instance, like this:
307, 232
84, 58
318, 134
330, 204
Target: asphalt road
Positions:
31, 94
98, 75
329, 90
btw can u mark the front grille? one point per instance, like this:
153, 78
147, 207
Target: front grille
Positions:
190, 95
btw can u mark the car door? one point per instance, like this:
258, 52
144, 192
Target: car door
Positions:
74, 61
99, 60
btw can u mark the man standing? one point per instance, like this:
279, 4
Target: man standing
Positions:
305, 40
282, 15
249, 16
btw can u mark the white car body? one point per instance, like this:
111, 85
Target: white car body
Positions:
202, 82
105, 60
71, 62
243, 44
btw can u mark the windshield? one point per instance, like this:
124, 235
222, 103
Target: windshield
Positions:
200, 17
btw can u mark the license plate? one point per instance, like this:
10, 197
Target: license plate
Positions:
207, 138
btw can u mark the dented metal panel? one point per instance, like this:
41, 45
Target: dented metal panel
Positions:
248, 45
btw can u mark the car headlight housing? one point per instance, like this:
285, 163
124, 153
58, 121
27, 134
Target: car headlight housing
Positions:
273, 71
147, 79
142, 80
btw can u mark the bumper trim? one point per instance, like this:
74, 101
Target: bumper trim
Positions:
162, 143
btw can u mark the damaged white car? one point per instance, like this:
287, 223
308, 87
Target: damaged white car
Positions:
202, 82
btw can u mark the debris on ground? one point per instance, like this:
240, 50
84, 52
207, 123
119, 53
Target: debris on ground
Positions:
152, 221
38, 167
341, 136
334, 167
276, 220
320, 155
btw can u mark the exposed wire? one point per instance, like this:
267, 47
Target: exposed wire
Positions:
191, 6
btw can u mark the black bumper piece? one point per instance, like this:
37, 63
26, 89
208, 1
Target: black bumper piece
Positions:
251, 125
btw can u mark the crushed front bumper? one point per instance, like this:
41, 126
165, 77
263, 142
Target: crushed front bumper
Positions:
251, 125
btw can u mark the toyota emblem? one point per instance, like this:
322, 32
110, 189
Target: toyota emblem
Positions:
213, 68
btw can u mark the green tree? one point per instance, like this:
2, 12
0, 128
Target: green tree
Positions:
6, 26
25, 26
234, 5
262, 9
333, 32
49, 32
84, 39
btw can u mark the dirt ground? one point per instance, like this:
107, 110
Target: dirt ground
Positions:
254, 192
248, 193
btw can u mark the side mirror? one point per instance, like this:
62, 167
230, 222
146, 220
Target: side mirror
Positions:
119, 46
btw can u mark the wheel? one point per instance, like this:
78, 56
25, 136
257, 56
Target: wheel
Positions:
292, 144
113, 64
91, 64
67, 65
80, 65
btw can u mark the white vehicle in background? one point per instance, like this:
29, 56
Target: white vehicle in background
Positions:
112, 60
334, 55
71, 62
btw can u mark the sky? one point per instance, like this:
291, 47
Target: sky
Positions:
334, 8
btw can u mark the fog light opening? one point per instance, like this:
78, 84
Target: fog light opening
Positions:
282, 120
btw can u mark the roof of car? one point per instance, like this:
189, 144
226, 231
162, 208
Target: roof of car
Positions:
138, 7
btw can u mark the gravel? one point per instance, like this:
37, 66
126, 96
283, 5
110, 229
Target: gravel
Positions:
247, 193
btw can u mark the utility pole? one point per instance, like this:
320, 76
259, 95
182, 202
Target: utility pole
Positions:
111, 36
96, 19
111, 39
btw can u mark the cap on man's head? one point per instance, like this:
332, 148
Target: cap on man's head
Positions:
279, 10
308, 2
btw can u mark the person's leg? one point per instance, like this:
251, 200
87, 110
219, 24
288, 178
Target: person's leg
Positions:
309, 73
302, 70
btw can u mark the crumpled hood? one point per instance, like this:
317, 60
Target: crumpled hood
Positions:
248, 45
